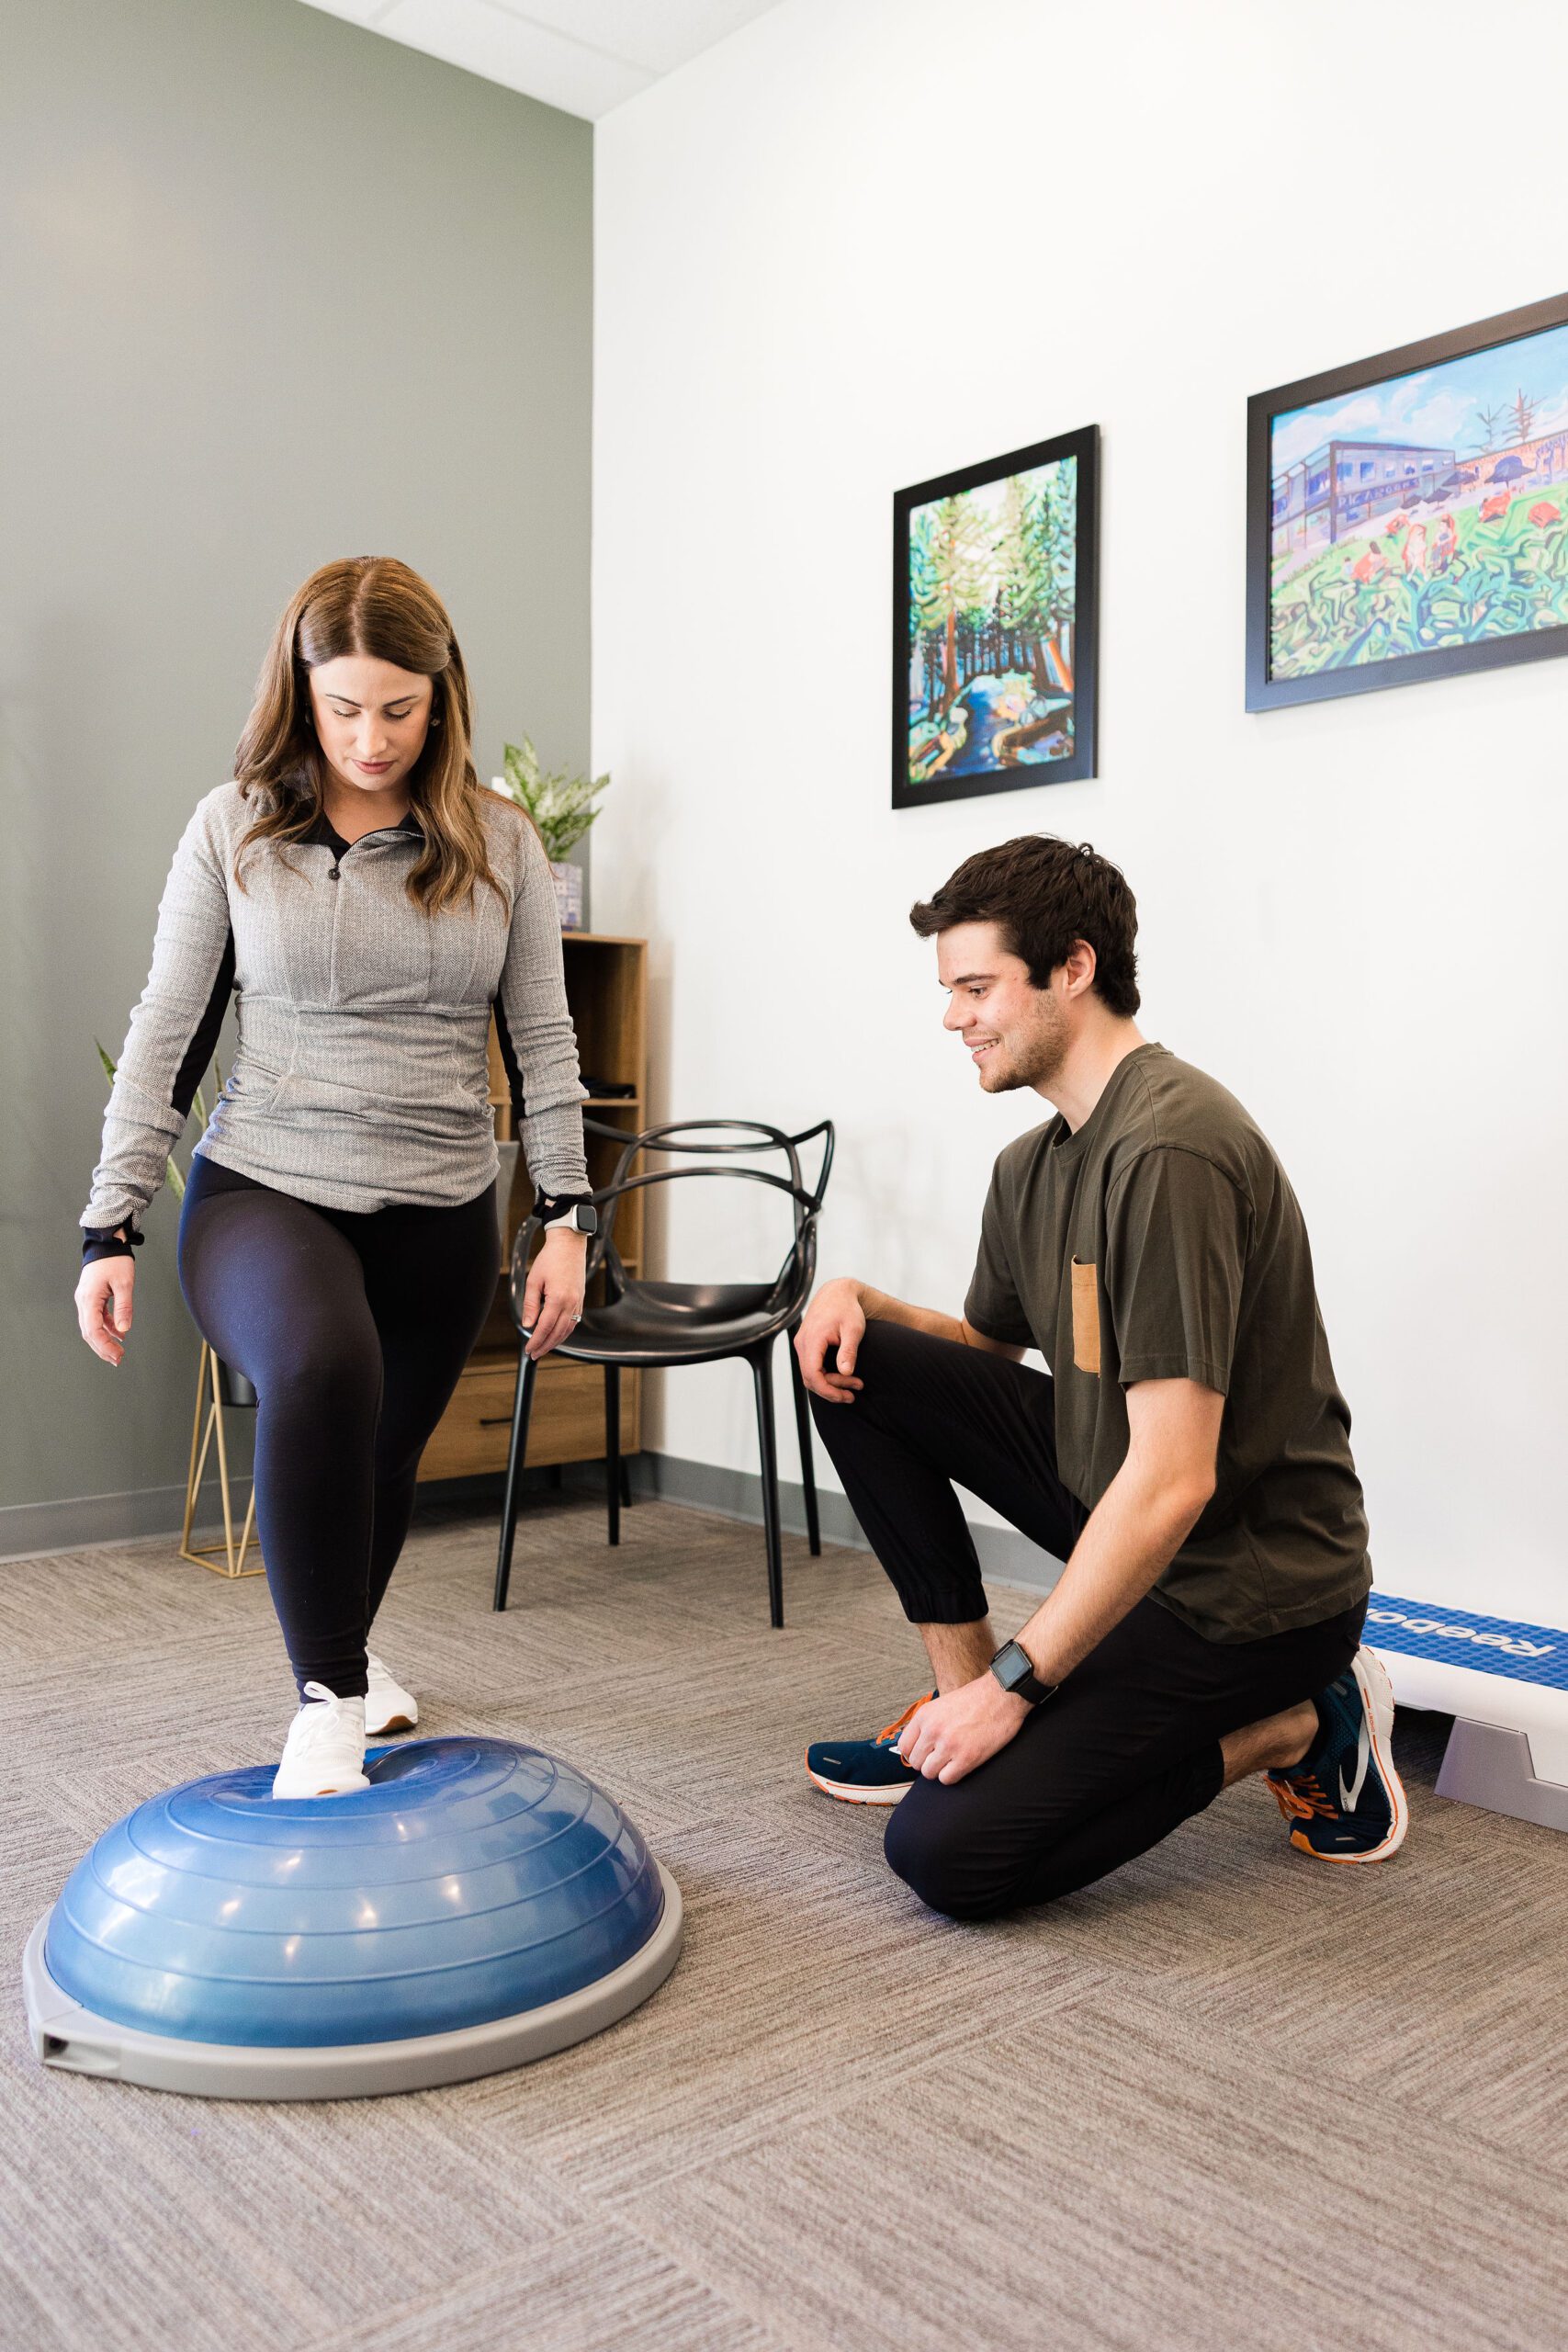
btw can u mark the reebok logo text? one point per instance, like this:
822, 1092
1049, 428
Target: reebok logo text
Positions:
1512, 1645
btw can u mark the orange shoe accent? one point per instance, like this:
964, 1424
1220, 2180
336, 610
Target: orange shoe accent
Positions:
890, 1731
1300, 1798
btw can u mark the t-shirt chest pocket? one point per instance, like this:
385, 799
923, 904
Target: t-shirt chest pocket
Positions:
1086, 1317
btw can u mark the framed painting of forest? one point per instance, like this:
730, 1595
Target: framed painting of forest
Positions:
993, 624
1407, 516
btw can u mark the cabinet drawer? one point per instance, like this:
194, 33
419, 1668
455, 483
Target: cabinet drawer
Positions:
567, 1425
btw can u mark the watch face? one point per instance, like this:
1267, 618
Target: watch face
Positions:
1014, 1670
574, 1218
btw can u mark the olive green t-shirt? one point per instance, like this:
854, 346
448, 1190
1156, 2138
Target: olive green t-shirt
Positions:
1163, 1241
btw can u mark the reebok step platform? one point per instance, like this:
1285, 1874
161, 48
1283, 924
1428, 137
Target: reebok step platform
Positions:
1505, 1684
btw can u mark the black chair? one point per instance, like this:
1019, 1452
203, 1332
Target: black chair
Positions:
646, 1325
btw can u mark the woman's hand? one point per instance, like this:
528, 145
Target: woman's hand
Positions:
103, 1305
552, 1300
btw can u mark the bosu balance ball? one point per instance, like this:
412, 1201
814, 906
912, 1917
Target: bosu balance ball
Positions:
479, 1903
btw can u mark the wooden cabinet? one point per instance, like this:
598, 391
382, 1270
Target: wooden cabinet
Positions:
606, 987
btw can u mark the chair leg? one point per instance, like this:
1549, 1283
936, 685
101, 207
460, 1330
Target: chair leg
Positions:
803, 1428
612, 1447
762, 1379
516, 1454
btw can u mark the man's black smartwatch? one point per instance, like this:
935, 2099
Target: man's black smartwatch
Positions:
1014, 1670
569, 1209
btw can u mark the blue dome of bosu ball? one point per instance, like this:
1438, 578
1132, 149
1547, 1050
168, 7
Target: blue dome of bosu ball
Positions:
479, 1903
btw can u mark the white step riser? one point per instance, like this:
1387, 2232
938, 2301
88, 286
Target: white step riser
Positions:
1540, 1713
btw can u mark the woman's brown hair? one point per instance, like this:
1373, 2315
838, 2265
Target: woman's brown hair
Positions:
368, 605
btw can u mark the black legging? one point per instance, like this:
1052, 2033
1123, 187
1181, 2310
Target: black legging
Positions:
352, 1328
1128, 1747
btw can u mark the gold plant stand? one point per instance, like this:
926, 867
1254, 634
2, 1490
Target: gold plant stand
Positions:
209, 1395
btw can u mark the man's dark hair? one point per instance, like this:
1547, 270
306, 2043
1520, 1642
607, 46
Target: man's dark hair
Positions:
1043, 893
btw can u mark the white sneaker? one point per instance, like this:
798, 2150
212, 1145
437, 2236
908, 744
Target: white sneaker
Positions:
324, 1753
388, 1706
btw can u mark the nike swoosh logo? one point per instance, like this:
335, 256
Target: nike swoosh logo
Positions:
1363, 1757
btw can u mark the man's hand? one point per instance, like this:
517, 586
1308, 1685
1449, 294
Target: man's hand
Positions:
834, 1319
949, 1736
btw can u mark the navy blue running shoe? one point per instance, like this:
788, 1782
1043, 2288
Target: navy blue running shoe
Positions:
1346, 1798
864, 1771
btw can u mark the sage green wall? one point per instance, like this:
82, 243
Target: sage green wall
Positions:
275, 290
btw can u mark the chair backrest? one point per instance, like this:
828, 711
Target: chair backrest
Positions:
749, 1138
746, 1139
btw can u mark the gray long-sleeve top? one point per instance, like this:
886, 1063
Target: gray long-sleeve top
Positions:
361, 1073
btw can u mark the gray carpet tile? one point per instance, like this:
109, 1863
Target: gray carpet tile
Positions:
1143, 2182
1227, 2093
599, 2288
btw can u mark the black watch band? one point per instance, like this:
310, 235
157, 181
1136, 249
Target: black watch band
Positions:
574, 1209
1014, 1670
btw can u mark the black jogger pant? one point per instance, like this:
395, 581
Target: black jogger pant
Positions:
1128, 1745
353, 1326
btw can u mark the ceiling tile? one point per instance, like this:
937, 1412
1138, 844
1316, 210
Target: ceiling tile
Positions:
661, 36
357, 12
584, 56
485, 39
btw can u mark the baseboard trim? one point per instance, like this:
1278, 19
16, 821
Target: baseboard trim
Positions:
34, 1531
30, 1531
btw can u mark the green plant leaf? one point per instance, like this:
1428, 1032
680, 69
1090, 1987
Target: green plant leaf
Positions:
563, 806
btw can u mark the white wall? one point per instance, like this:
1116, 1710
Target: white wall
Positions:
857, 245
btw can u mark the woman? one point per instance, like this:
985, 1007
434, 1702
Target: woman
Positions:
371, 905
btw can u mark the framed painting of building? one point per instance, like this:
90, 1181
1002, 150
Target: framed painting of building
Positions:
1407, 516
993, 624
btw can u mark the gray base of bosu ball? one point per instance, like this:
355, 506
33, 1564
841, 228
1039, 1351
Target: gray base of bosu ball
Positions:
478, 1906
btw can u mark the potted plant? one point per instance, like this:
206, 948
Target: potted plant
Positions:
233, 1386
562, 806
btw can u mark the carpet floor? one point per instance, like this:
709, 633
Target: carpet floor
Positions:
1226, 2097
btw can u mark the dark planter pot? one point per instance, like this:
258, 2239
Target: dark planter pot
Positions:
233, 1388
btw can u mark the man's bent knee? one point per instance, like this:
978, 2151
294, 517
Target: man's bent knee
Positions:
930, 1849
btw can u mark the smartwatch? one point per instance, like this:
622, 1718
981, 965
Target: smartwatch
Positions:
571, 1210
1014, 1670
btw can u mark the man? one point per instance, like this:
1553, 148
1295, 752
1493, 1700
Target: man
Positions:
1189, 1458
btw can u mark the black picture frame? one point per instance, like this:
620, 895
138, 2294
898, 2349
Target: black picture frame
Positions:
1017, 775
1264, 691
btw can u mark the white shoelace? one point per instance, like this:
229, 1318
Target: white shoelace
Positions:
320, 1719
